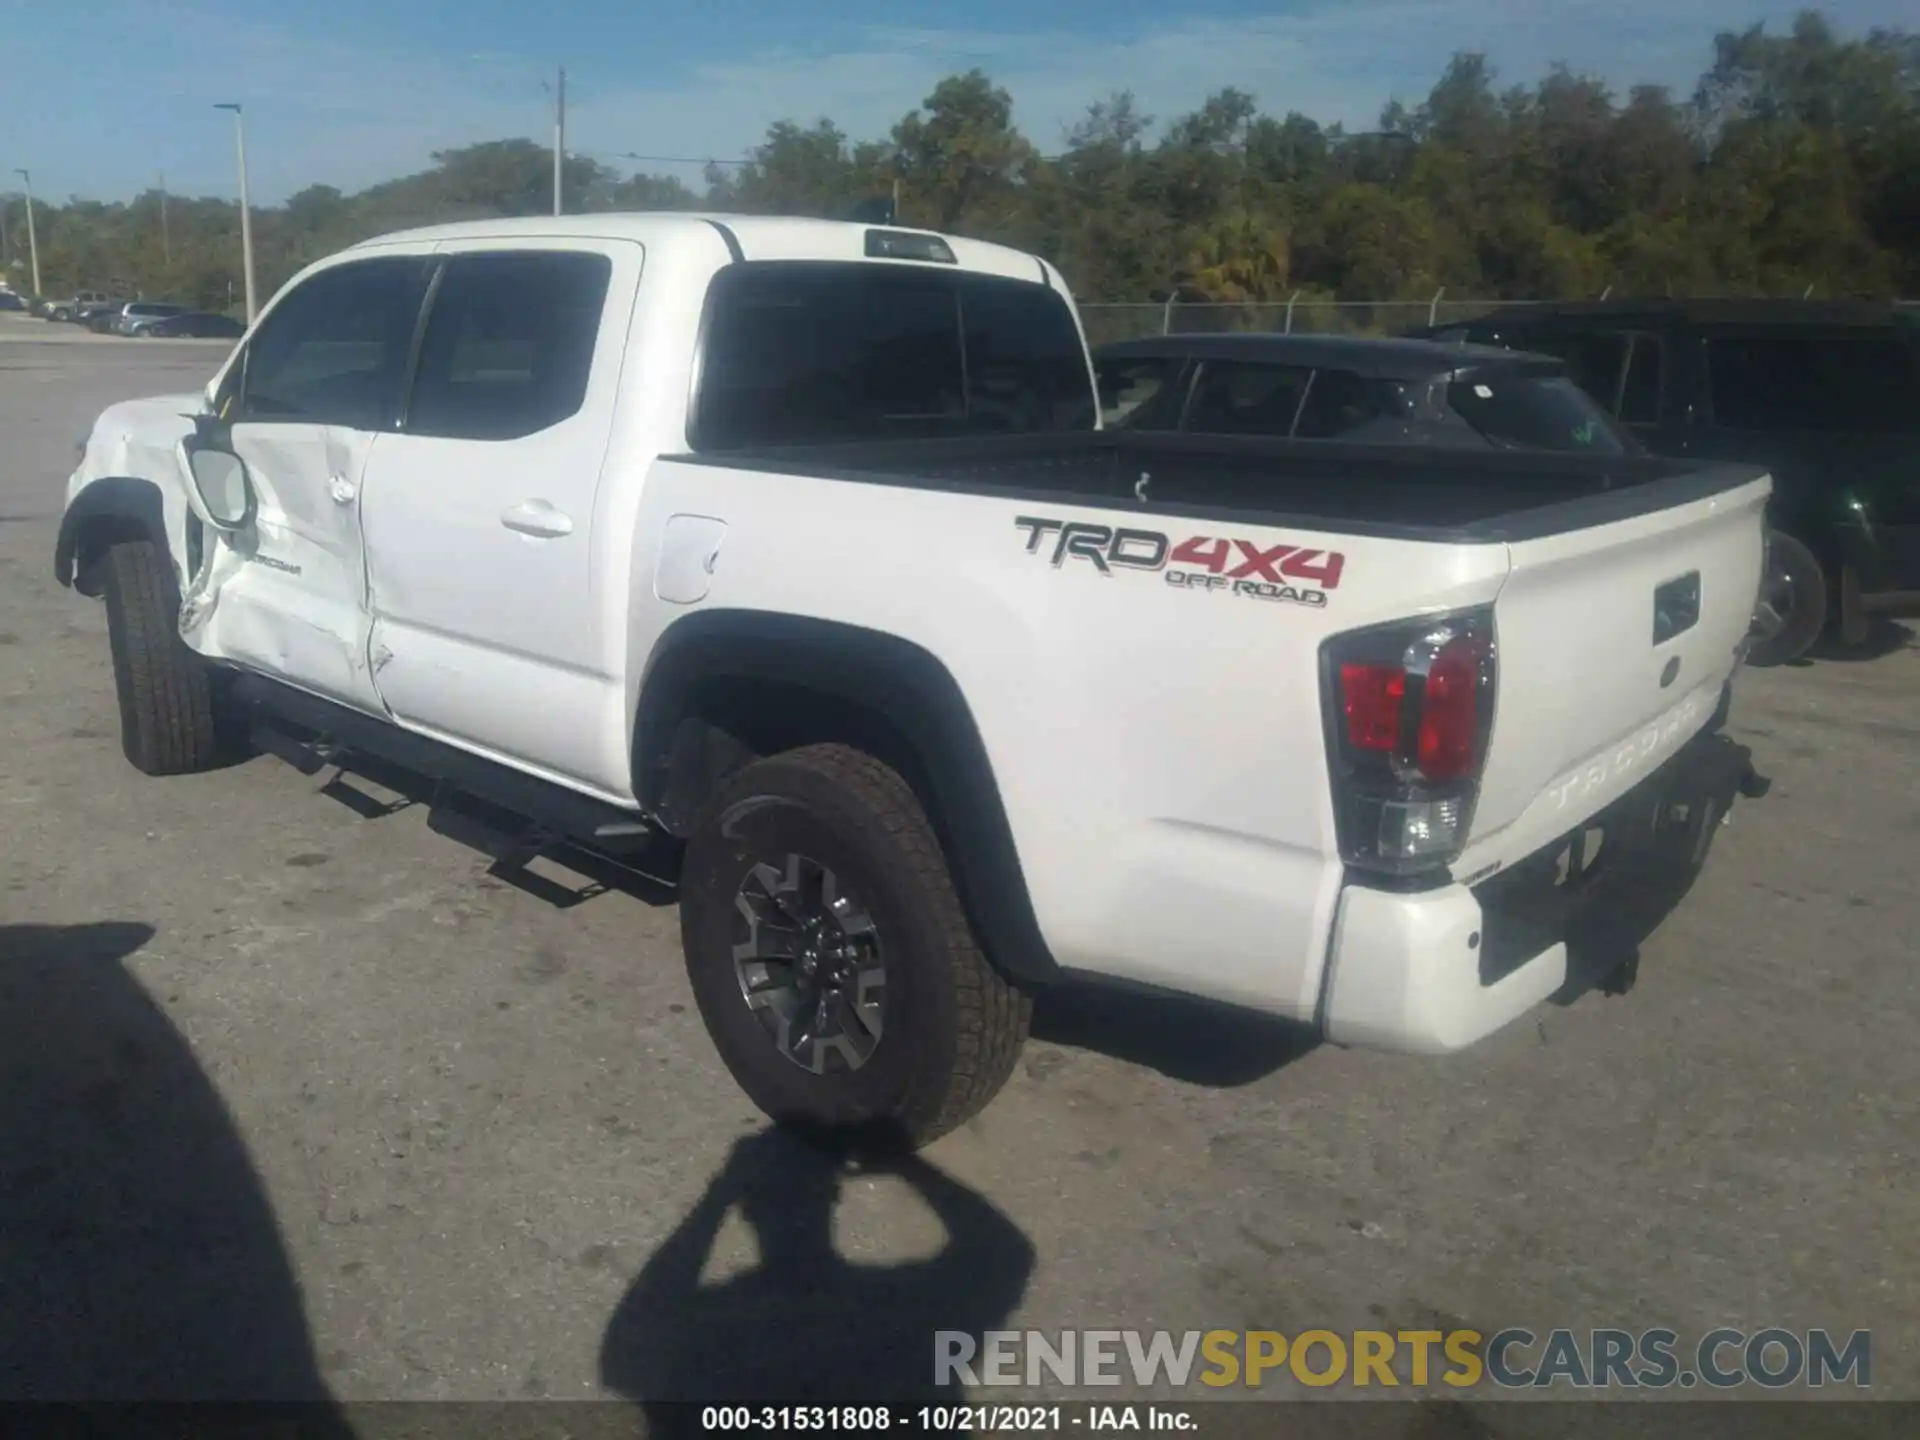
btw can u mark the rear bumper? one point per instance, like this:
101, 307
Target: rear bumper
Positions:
1436, 970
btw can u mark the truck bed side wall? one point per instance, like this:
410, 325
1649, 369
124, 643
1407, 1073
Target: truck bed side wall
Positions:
1157, 746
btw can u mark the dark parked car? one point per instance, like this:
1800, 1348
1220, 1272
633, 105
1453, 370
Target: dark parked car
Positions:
1825, 396
11, 301
194, 324
1364, 391
99, 316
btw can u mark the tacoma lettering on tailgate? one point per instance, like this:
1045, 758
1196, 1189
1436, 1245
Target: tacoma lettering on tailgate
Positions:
1291, 573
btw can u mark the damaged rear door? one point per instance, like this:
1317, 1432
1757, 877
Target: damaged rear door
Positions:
318, 380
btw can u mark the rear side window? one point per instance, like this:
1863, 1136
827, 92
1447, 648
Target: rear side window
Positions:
1839, 380
1535, 412
509, 344
1594, 359
1139, 393
1234, 398
1339, 402
813, 353
1640, 391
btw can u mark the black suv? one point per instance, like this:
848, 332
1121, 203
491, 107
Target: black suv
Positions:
1825, 396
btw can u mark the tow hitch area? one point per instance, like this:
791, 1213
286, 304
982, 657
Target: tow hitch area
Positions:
1641, 854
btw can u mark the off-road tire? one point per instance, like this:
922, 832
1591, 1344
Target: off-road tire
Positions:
165, 690
1806, 588
953, 1026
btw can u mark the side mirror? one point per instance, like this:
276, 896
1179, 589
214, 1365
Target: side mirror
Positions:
217, 485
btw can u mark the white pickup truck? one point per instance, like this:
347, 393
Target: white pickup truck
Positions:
796, 547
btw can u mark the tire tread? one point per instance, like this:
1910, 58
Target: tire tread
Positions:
994, 1015
166, 701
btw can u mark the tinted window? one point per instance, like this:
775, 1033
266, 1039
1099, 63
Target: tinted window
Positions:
1841, 380
1640, 394
1534, 413
1340, 402
1593, 360
803, 353
509, 345
1235, 398
334, 350
1139, 393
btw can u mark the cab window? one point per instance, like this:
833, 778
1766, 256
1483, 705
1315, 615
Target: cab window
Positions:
334, 350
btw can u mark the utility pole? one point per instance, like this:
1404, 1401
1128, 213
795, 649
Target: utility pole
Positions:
559, 135
246, 212
166, 242
33, 244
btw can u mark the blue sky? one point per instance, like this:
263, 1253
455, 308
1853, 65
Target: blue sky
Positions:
100, 97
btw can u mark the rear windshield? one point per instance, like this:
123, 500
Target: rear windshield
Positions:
801, 353
1535, 412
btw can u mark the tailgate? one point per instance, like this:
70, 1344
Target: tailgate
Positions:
1614, 643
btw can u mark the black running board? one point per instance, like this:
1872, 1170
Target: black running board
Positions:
312, 734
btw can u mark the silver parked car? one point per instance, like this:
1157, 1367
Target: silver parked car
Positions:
137, 315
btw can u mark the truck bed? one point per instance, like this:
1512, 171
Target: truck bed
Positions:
1406, 492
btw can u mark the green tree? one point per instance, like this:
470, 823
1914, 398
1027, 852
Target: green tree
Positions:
1795, 161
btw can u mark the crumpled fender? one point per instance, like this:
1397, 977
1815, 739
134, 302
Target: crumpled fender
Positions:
128, 482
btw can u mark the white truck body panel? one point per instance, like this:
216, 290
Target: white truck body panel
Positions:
1160, 753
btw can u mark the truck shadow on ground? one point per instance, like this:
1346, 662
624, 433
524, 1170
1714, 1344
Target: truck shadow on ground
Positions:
1884, 637
805, 1324
1184, 1039
139, 1256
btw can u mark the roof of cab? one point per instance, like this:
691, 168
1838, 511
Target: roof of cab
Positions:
1377, 358
748, 237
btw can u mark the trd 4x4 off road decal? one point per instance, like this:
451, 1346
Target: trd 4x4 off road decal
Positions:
1198, 562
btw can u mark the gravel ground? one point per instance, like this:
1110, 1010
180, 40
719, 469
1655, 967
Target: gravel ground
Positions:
295, 1099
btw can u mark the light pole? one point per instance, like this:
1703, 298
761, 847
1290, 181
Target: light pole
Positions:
33, 244
246, 214
559, 136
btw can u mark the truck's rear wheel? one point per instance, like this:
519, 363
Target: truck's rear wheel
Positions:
1792, 609
830, 956
165, 690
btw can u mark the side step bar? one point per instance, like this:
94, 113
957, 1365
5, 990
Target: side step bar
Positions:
277, 714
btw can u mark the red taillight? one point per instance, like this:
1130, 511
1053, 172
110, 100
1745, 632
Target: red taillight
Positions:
1409, 709
1372, 696
1449, 740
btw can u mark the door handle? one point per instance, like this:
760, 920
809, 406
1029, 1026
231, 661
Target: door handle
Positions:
537, 517
341, 490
